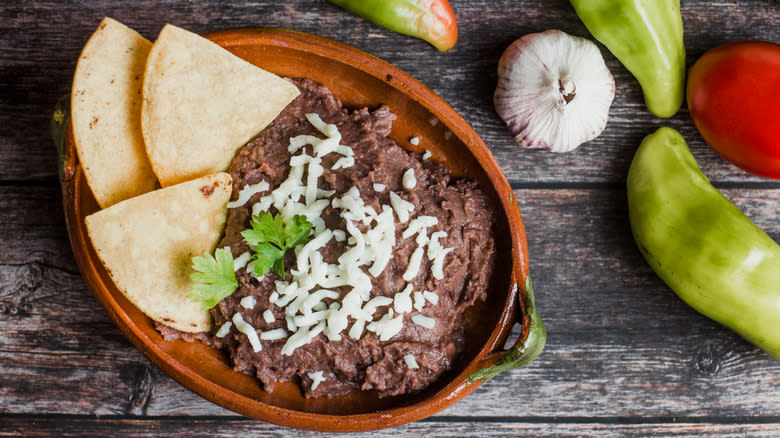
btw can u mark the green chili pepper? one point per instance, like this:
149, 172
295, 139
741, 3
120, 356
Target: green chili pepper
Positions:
700, 244
59, 125
647, 37
430, 20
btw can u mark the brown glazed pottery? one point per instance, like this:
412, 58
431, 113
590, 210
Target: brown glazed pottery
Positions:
358, 79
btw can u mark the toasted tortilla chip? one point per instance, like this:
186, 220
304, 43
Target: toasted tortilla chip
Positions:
147, 243
201, 103
106, 113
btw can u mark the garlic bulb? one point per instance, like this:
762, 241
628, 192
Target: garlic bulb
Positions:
554, 90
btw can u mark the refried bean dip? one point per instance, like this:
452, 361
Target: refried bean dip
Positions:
441, 259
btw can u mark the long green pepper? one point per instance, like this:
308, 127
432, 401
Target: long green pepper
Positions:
700, 244
430, 20
647, 37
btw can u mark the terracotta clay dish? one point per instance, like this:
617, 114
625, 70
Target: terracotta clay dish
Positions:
358, 79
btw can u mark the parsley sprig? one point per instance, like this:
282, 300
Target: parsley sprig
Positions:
270, 238
214, 278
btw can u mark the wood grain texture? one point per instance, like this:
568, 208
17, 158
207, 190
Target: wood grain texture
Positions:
625, 357
229, 427
41, 41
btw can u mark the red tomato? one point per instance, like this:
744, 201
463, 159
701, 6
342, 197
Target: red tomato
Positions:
734, 98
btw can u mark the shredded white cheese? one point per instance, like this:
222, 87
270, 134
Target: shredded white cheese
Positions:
310, 319
273, 335
419, 301
250, 269
316, 378
356, 331
426, 155
436, 253
264, 204
298, 339
245, 328
378, 187
414, 264
315, 171
402, 207
373, 303
344, 162
431, 297
411, 362
315, 298
424, 321
419, 225
248, 302
301, 337
414, 140
315, 331
336, 323
241, 261
402, 301
268, 316
247, 192
409, 181
295, 306
304, 255
382, 247
290, 323
387, 326
437, 269
224, 330
434, 247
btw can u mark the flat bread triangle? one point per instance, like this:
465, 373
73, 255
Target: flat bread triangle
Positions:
201, 103
147, 243
106, 113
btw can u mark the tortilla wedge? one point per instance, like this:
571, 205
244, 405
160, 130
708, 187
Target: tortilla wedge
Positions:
106, 113
201, 103
147, 243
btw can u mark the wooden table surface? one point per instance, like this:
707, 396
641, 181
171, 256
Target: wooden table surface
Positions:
624, 355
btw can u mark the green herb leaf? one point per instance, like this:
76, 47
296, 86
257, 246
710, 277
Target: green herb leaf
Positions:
270, 239
279, 267
265, 228
266, 255
296, 232
214, 278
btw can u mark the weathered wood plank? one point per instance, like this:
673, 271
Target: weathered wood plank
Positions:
618, 338
221, 427
32, 227
42, 39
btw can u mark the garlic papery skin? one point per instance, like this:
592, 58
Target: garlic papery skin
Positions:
554, 90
